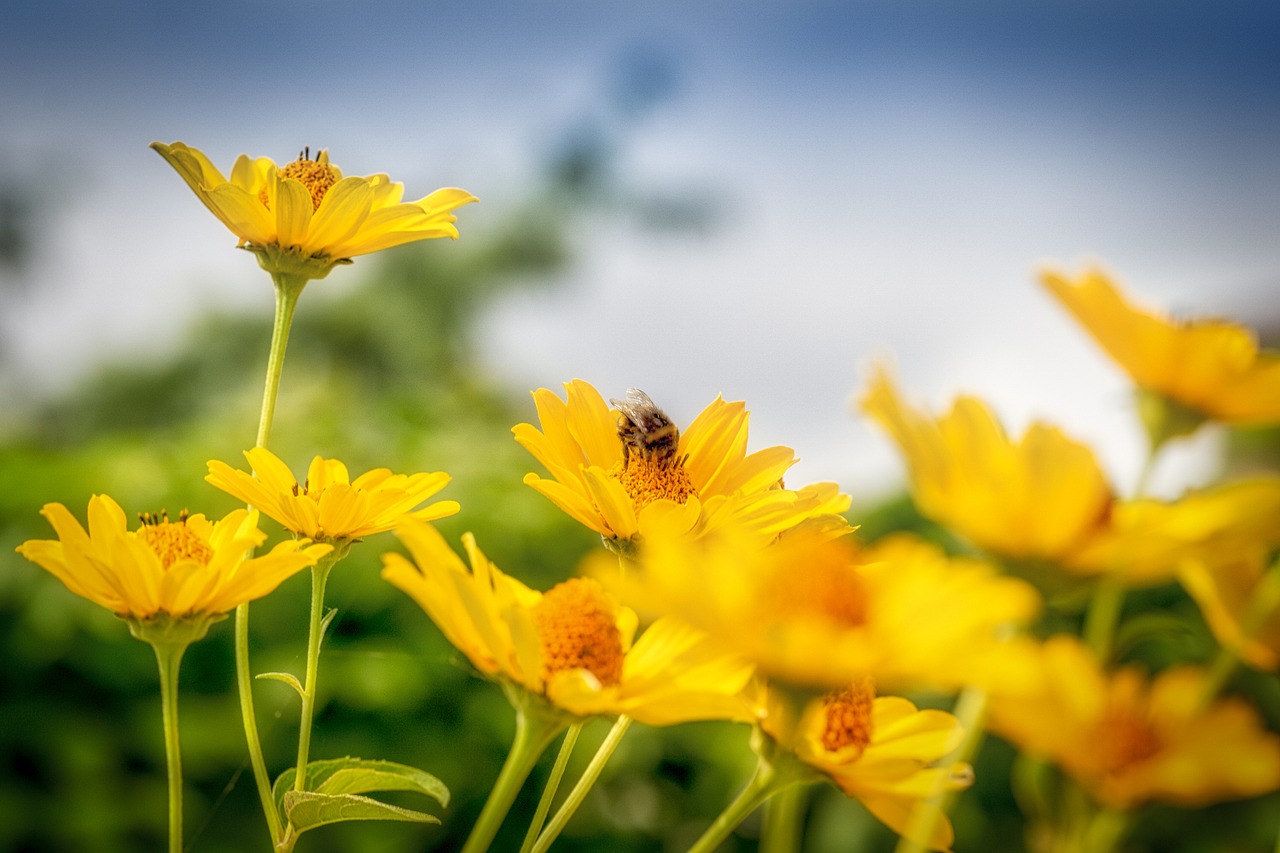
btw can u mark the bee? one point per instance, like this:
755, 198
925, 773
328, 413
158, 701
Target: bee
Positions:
645, 429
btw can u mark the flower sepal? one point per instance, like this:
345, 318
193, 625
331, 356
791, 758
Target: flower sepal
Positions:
1165, 419
166, 630
292, 263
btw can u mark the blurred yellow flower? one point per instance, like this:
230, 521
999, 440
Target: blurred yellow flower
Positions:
306, 213
879, 750
182, 569
1209, 366
328, 505
1240, 601
1129, 740
614, 491
571, 645
815, 612
1041, 497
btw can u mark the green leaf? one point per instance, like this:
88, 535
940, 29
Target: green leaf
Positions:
339, 776
284, 677
309, 809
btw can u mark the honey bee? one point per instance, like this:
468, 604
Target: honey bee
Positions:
645, 429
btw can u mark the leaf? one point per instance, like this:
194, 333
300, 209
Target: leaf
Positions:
284, 677
337, 776
309, 809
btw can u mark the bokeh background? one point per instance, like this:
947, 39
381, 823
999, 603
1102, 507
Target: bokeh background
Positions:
749, 198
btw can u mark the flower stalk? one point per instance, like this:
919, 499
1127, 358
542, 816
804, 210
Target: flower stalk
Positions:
583, 786
169, 658
549, 791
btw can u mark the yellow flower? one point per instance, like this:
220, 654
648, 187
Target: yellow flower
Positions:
1038, 498
815, 612
880, 750
1129, 740
1209, 366
186, 568
306, 213
329, 505
615, 491
571, 645
1240, 601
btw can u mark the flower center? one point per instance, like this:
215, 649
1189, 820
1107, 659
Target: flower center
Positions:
647, 480
316, 175
819, 581
848, 713
173, 541
1124, 740
577, 624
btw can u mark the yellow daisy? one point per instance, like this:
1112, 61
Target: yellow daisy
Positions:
328, 505
1040, 497
815, 612
1240, 601
571, 645
1211, 367
186, 568
1128, 739
306, 213
880, 750
602, 482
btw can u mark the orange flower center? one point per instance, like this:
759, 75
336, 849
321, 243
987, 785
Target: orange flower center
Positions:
577, 624
647, 480
821, 582
173, 542
848, 713
1124, 739
316, 175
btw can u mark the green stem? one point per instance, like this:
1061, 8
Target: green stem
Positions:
534, 734
549, 791
579, 792
287, 289
971, 711
319, 577
766, 782
1103, 614
782, 821
244, 683
169, 658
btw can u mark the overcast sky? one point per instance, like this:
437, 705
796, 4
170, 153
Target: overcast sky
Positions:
890, 175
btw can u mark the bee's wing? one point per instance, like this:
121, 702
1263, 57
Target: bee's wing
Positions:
635, 406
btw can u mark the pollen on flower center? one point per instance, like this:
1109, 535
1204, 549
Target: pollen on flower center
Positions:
647, 480
577, 626
823, 585
173, 542
1124, 739
316, 175
848, 712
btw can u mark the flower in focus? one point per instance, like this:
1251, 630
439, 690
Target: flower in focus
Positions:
571, 645
815, 611
1240, 601
1211, 367
708, 478
1129, 740
1038, 498
328, 505
304, 217
879, 750
187, 568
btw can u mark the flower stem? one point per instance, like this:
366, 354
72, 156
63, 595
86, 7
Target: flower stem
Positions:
766, 782
287, 290
579, 792
534, 734
1103, 614
549, 791
169, 658
782, 814
971, 711
319, 577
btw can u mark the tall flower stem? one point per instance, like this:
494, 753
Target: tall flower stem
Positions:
169, 658
288, 288
549, 790
579, 792
534, 733
766, 782
782, 814
319, 577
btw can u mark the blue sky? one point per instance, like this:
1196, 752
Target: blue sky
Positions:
892, 174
